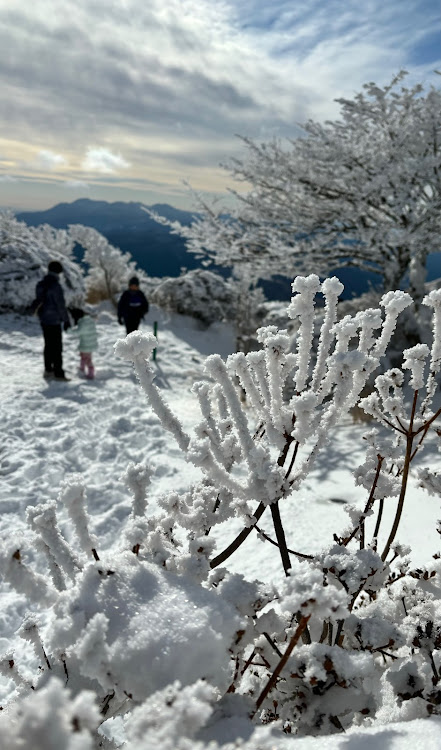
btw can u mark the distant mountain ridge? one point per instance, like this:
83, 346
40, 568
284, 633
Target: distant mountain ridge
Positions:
129, 227
160, 253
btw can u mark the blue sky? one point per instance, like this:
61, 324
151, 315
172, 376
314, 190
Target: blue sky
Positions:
128, 99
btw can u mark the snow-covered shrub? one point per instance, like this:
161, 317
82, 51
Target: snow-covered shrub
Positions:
109, 612
351, 631
202, 294
51, 719
109, 269
209, 297
24, 256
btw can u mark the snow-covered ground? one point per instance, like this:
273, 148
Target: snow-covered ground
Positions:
51, 430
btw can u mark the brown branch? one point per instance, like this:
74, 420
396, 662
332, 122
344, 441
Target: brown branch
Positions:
273, 679
324, 633
368, 505
232, 687
427, 424
280, 536
394, 427
371, 499
291, 551
273, 645
236, 543
404, 480
239, 539
379, 517
294, 456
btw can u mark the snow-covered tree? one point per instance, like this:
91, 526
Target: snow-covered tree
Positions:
363, 190
56, 240
109, 269
24, 256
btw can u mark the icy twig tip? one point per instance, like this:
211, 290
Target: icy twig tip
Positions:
136, 345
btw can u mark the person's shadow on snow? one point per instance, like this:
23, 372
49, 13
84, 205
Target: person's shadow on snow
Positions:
160, 378
72, 391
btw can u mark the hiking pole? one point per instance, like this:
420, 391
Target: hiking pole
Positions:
155, 332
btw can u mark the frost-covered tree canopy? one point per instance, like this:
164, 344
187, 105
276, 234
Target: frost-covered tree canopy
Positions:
363, 190
24, 256
109, 269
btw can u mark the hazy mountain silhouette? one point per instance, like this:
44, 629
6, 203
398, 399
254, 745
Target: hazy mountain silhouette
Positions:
129, 227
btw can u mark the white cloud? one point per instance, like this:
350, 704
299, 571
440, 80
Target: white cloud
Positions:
76, 185
8, 178
175, 87
49, 161
103, 160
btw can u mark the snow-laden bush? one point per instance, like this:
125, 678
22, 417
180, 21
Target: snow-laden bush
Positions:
209, 297
159, 629
24, 256
202, 294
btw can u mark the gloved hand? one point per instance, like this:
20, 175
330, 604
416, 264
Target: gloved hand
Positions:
66, 325
120, 321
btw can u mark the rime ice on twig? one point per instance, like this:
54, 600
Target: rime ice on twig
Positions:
72, 496
433, 300
30, 631
22, 577
8, 669
43, 520
137, 348
137, 478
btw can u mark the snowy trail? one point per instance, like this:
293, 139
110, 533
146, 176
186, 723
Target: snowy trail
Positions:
95, 428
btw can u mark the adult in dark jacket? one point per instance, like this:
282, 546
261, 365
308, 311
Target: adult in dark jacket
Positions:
51, 309
132, 306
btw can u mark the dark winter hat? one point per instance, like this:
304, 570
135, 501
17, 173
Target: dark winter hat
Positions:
55, 267
134, 280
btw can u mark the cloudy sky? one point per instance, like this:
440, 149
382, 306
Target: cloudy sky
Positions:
128, 99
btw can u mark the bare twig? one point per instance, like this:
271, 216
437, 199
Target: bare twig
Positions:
239, 539
379, 517
280, 535
273, 679
368, 506
273, 645
404, 480
302, 555
293, 459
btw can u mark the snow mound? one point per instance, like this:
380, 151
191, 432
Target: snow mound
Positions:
131, 627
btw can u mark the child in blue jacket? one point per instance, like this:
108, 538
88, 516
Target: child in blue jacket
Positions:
88, 340
132, 306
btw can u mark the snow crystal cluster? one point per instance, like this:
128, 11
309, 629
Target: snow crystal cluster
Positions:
158, 631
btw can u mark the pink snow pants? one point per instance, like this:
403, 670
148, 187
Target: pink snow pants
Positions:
86, 364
